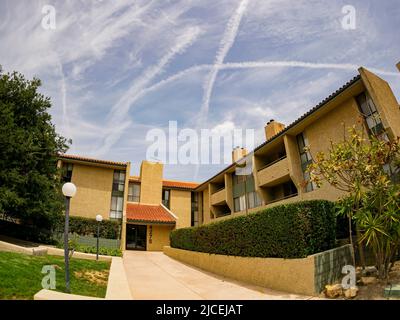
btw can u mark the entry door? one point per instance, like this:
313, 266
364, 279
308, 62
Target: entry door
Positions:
136, 237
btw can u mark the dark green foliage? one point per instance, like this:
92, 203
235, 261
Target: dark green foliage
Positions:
29, 144
26, 232
92, 249
88, 227
286, 231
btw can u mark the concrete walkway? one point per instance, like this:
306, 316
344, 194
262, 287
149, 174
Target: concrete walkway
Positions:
155, 276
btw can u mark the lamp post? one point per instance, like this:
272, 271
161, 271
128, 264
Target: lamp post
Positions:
68, 190
99, 219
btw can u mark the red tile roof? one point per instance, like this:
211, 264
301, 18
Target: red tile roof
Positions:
179, 184
171, 183
80, 158
136, 212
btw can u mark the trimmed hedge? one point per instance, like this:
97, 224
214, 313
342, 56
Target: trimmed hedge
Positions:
293, 230
88, 227
26, 232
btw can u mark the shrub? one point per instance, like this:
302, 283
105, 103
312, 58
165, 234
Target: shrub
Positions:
91, 249
286, 231
26, 232
88, 227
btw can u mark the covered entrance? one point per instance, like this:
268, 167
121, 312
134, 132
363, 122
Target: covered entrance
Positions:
136, 237
148, 226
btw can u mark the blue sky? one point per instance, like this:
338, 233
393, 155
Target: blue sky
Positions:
116, 69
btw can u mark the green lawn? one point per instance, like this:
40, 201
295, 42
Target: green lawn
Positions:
21, 277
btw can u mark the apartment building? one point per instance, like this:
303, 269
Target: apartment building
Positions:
101, 184
150, 207
155, 207
278, 166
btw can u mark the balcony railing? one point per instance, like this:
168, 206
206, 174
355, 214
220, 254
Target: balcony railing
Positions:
272, 163
283, 198
218, 197
218, 190
273, 172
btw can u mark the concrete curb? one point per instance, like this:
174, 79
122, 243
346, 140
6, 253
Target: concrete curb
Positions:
117, 287
45, 294
33, 251
79, 255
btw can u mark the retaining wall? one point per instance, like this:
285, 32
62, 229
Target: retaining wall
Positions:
302, 276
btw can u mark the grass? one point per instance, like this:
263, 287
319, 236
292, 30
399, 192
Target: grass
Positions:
21, 276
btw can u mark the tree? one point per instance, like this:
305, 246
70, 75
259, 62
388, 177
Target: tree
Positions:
29, 145
365, 169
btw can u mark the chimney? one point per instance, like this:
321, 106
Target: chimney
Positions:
398, 65
272, 128
238, 153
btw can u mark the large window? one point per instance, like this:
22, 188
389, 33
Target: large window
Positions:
244, 194
195, 209
305, 158
67, 172
371, 115
166, 195
375, 127
117, 205
239, 203
134, 192
254, 200
117, 197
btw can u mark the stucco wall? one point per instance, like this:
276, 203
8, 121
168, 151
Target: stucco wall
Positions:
218, 197
274, 172
180, 205
158, 237
330, 128
290, 275
206, 206
302, 276
294, 162
384, 99
151, 174
93, 196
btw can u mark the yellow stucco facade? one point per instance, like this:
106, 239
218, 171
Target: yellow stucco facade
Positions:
277, 169
94, 191
151, 174
158, 237
151, 184
181, 207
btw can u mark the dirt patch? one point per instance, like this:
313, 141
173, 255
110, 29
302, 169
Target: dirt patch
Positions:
93, 276
375, 291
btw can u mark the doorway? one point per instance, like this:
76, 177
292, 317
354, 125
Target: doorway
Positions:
136, 237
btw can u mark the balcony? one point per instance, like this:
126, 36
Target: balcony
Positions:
274, 172
218, 197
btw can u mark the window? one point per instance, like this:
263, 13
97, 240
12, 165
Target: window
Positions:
117, 195
305, 158
195, 209
118, 182
166, 197
134, 192
239, 203
371, 115
244, 194
254, 199
67, 172
117, 204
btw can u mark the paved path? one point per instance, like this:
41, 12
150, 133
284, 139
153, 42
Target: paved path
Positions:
153, 275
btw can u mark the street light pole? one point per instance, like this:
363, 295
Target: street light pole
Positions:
69, 190
99, 219
66, 248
